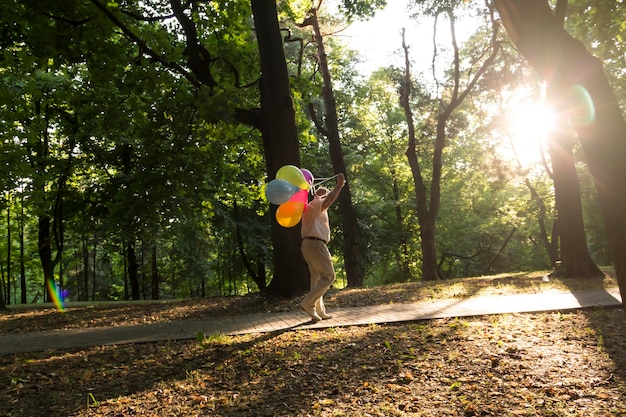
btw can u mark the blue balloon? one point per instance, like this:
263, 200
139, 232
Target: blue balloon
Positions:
280, 191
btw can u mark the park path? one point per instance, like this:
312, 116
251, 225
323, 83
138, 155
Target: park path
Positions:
279, 322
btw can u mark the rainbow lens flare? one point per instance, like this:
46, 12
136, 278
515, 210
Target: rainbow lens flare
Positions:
58, 295
584, 111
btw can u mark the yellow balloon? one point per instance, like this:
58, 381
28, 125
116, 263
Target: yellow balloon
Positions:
289, 214
293, 175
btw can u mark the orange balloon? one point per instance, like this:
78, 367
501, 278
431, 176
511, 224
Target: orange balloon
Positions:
289, 214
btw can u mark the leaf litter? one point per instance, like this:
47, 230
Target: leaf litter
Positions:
543, 364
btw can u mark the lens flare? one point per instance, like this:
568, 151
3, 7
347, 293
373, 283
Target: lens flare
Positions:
58, 295
584, 109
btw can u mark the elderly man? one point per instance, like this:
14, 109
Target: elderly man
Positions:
315, 237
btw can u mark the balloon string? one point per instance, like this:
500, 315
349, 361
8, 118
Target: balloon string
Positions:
317, 182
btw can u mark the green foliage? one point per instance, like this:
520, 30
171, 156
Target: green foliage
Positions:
601, 26
360, 8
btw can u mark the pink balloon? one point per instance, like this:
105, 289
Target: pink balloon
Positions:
301, 196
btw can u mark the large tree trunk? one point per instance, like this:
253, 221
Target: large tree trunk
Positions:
429, 249
576, 261
348, 213
564, 63
280, 140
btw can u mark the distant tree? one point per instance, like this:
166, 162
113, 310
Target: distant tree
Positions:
2, 303
374, 138
428, 195
328, 126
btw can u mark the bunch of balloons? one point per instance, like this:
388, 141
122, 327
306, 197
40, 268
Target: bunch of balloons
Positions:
289, 191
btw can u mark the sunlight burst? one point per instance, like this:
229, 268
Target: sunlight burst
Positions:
529, 126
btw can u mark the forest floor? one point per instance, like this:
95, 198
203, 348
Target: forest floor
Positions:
543, 364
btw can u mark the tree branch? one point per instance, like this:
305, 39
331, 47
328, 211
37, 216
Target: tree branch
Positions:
198, 58
144, 47
316, 121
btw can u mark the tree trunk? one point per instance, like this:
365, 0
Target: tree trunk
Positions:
259, 279
565, 63
8, 287
427, 227
499, 252
85, 269
23, 298
93, 270
549, 242
2, 303
575, 259
155, 274
280, 140
172, 277
142, 271
125, 271
45, 256
402, 255
131, 256
429, 250
59, 234
348, 213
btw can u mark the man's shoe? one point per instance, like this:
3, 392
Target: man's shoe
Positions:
325, 316
311, 312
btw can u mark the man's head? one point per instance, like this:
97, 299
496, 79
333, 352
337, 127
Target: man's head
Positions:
321, 192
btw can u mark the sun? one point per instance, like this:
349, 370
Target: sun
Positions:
531, 120
529, 125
